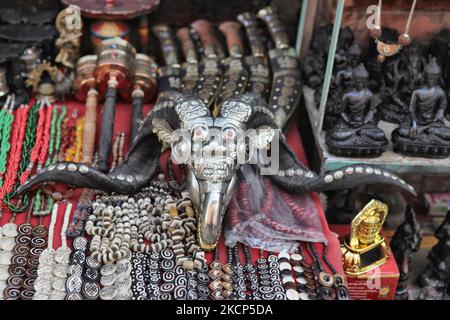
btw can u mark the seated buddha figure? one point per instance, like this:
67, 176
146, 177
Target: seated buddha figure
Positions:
355, 133
424, 133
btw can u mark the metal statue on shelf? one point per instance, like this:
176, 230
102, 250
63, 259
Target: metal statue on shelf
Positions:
437, 273
402, 76
356, 134
340, 83
404, 244
211, 180
424, 133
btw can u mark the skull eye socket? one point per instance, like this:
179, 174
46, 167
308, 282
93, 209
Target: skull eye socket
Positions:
200, 133
229, 134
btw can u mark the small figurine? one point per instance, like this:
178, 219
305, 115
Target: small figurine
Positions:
437, 273
424, 133
340, 83
403, 75
356, 134
404, 244
69, 25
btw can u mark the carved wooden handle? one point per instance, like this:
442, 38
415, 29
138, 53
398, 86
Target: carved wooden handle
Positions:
249, 21
231, 31
275, 26
90, 126
187, 44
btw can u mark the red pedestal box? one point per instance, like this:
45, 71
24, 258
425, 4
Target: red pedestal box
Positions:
377, 284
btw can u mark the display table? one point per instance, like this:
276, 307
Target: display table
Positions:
122, 124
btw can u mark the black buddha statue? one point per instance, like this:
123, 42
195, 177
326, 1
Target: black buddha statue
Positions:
355, 133
340, 83
402, 76
424, 133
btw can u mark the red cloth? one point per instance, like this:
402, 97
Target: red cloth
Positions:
123, 113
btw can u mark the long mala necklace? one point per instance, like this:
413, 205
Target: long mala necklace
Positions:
74, 152
7, 120
43, 283
251, 276
23, 159
16, 150
42, 207
53, 264
275, 278
39, 152
385, 49
227, 276
239, 276
168, 276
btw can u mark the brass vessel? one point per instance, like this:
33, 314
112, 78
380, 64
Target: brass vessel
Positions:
365, 248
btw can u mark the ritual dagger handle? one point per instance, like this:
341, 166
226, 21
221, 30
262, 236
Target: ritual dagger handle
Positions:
167, 43
250, 23
206, 33
107, 128
276, 27
187, 44
90, 126
231, 30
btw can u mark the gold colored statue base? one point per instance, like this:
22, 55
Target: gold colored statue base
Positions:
365, 248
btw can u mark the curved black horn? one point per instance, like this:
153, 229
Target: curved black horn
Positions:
136, 170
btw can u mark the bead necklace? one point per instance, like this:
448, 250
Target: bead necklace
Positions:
239, 277
215, 274
227, 276
16, 150
68, 135
8, 234
62, 260
123, 279
53, 264
168, 264
23, 159
324, 279
275, 278
90, 288
156, 216
39, 151
181, 291
5, 132
138, 268
153, 276
251, 276
43, 283
202, 282
287, 275
75, 270
385, 49
74, 152
30, 242
265, 284
42, 207
339, 285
